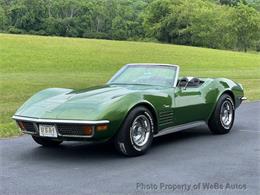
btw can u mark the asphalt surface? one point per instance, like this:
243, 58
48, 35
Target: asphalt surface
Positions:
188, 162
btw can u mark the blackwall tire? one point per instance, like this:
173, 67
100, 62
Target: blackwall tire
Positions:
136, 134
222, 119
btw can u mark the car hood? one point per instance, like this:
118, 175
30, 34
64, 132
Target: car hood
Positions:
79, 104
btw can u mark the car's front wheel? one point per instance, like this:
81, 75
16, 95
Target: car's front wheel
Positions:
136, 134
222, 119
46, 141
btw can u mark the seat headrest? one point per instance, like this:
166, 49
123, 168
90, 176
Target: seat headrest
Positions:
183, 81
194, 82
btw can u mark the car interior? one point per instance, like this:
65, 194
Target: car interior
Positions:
189, 82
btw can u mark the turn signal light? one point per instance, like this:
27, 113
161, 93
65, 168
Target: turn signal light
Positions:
101, 127
87, 130
20, 124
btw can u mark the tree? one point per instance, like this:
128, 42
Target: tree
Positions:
27, 15
155, 16
119, 28
232, 2
224, 24
128, 20
246, 24
212, 28
3, 19
255, 4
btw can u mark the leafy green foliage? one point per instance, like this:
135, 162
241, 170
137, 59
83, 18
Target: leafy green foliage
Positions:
246, 22
231, 2
202, 23
2, 18
255, 4
224, 24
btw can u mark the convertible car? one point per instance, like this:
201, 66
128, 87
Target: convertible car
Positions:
140, 102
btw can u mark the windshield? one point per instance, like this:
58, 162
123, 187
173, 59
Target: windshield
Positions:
161, 75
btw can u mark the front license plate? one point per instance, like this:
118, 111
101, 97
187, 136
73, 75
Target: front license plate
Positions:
48, 131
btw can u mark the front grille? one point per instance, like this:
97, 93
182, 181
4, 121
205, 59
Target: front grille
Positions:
62, 129
29, 126
70, 129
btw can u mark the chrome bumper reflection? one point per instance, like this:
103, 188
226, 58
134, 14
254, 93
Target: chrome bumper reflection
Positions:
39, 120
243, 98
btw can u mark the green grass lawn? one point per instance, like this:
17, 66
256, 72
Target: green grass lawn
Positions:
31, 63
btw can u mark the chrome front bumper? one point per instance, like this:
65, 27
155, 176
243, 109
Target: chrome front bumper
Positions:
39, 120
243, 98
36, 121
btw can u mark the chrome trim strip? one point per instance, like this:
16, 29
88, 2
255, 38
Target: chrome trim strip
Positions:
29, 132
77, 136
176, 75
59, 135
179, 128
40, 120
243, 98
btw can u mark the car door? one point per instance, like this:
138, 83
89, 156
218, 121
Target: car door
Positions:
188, 105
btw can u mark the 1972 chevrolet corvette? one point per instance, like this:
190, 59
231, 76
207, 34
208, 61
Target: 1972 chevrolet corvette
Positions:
140, 102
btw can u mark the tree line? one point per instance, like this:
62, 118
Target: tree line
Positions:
222, 24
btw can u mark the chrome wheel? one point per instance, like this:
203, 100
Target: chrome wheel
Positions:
140, 130
226, 114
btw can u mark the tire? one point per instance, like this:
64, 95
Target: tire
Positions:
47, 142
222, 119
136, 134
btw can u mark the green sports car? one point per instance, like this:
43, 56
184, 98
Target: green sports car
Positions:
140, 102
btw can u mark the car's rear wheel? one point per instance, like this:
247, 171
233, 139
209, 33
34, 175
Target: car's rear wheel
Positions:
136, 134
46, 141
222, 119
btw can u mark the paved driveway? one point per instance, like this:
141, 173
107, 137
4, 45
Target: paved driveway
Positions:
188, 162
